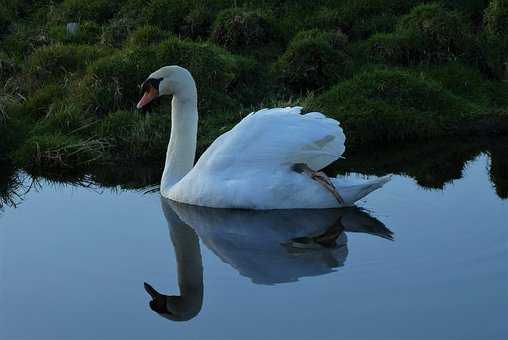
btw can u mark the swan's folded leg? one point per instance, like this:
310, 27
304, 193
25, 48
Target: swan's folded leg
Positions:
322, 178
328, 238
319, 177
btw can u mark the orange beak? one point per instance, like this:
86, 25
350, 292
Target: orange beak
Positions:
149, 95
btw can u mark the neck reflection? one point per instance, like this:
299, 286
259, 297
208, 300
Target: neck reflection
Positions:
188, 304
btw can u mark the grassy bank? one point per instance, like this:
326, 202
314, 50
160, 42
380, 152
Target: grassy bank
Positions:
432, 164
389, 70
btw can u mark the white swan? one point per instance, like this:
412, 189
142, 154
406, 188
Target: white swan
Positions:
267, 161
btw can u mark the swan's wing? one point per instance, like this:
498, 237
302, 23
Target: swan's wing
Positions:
274, 137
249, 167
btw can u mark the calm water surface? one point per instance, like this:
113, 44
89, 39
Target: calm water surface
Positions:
73, 261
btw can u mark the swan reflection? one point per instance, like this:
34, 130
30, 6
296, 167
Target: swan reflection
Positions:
269, 247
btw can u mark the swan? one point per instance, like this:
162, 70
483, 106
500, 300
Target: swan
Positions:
269, 160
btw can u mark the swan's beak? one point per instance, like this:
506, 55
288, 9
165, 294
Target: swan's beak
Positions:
148, 96
158, 303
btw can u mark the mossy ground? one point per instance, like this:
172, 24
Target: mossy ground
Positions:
390, 71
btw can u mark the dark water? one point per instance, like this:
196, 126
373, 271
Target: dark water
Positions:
73, 258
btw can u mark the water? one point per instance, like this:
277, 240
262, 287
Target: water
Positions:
73, 261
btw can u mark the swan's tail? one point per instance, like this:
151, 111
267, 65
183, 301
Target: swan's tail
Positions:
352, 190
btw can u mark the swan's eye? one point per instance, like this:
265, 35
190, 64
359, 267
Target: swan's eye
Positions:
145, 87
150, 83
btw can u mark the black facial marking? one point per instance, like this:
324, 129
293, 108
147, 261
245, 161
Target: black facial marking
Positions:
151, 83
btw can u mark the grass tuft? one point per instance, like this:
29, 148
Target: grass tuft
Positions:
313, 60
60, 151
393, 105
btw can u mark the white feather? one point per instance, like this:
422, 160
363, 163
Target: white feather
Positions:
250, 165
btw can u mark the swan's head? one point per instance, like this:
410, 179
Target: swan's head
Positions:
166, 81
175, 308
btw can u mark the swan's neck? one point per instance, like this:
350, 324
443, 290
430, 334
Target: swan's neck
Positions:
182, 143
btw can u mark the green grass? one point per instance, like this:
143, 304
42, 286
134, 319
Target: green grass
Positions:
55, 61
429, 34
469, 83
97, 10
313, 60
89, 32
141, 137
237, 29
388, 70
62, 151
393, 105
